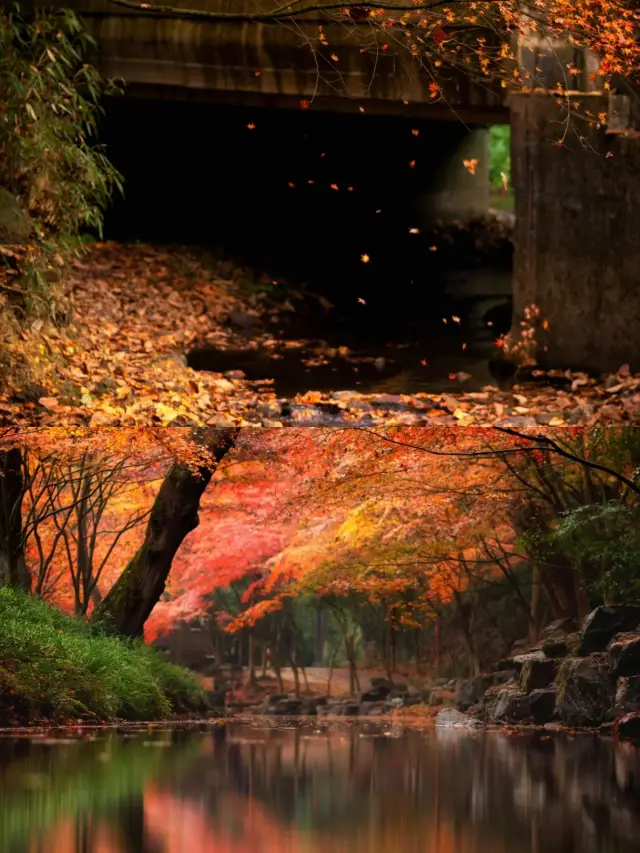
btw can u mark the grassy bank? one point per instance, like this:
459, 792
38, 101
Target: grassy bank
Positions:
55, 667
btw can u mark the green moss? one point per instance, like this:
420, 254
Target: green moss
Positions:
53, 666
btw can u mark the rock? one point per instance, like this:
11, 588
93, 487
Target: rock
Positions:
489, 700
242, 319
395, 704
584, 690
375, 694
510, 706
287, 706
310, 705
470, 692
567, 625
507, 664
627, 695
537, 674
378, 681
627, 727
555, 648
372, 709
542, 704
504, 676
15, 226
350, 709
440, 696
534, 654
560, 645
451, 718
624, 655
271, 703
603, 623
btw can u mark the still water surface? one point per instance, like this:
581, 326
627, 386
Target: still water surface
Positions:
254, 788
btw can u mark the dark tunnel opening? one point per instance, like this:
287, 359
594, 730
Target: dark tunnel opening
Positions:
327, 202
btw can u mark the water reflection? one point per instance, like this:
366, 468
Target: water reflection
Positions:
356, 789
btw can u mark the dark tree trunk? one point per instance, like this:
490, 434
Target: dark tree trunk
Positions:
129, 602
13, 568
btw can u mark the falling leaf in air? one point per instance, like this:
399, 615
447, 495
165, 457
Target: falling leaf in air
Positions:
334, 186
251, 126
414, 230
433, 248
470, 166
455, 319
304, 104
365, 258
424, 362
412, 164
334, 57
415, 131
361, 300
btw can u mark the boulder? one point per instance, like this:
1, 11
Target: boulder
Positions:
542, 704
566, 625
15, 227
372, 709
489, 700
287, 706
627, 727
627, 695
470, 692
451, 718
603, 623
560, 645
378, 681
510, 706
310, 705
508, 664
584, 690
538, 673
624, 655
375, 694
395, 704
270, 703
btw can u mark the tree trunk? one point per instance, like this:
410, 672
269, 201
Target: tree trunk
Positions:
174, 514
250, 680
13, 568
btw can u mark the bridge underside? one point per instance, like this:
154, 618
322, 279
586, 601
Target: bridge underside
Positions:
336, 66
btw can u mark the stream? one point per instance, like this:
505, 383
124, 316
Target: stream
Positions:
307, 787
367, 347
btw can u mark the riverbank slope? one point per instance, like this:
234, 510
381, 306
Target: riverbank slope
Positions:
56, 669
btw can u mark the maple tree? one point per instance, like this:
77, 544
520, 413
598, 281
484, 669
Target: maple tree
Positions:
407, 539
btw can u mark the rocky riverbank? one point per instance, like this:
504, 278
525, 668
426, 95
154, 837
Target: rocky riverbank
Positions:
576, 677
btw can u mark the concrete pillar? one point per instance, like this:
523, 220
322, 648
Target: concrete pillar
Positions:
449, 189
577, 235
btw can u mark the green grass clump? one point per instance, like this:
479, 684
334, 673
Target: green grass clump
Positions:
54, 666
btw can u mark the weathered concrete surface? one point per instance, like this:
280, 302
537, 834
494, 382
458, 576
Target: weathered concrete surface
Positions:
577, 234
179, 58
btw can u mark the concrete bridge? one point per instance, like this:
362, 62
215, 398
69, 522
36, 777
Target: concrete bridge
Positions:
577, 242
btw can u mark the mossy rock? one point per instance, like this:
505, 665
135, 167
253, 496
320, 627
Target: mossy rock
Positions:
15, 226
